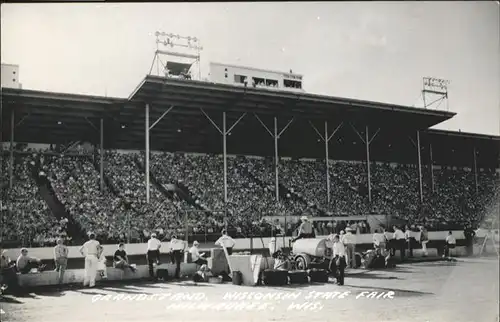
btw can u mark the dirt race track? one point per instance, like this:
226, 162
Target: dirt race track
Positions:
467, 290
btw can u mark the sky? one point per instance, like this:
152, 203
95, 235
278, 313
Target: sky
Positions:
376, 51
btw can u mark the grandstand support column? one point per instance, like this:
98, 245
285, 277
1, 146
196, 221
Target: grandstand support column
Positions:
102, 155
224, 132
475, 169
147, 129
367, 143
327, 139
147, 152
432, 168
224, 153
276, 136
276, 163
11, 167
419, 168
327, 165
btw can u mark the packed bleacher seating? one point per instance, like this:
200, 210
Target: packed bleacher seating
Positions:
120, 211
25, 215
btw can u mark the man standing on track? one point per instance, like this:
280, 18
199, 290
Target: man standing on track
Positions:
469, 234
153, 254
91, 250
177, 248
349, 240
338, 263
399, 242
60, 259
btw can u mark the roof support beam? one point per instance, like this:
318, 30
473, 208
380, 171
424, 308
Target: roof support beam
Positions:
367, 141
276, 136
161, 117
22, 120
11, 167
326, 139
224, 132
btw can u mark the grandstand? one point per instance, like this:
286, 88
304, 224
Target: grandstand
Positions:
214, 150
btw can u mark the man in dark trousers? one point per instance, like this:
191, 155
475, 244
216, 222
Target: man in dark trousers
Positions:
177, 248
338, 263
399, 241
153, 254
469, 234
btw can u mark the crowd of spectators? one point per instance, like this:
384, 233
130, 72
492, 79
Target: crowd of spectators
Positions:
25, 216
119, 211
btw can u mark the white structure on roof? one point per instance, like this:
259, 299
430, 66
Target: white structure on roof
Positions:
10, 76
254, 77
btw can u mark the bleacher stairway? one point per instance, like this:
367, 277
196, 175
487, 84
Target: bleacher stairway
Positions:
74, 230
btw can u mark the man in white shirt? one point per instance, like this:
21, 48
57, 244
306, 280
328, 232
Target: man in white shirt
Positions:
272, 246
424, 239
306, 229
410, 240
338, 262
349, 240
91, 250
153, 253
379, 242
196, 256
226, 241
399, 241
177, 247
450, 244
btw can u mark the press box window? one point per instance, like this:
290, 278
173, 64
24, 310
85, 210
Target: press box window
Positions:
258, 81
240, 79
271, 83
292, 84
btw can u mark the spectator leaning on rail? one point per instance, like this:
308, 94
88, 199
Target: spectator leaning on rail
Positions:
226, 241
60, 259
196, 256
25, 262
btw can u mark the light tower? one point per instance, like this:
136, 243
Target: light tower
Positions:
179, 61
435, 88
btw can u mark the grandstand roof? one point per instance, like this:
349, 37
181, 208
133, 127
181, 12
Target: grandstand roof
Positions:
221, 97
44, 117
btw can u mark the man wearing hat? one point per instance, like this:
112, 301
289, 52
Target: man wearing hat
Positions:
91, 250
306, 229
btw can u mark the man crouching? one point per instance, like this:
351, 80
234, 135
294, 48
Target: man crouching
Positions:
120, 259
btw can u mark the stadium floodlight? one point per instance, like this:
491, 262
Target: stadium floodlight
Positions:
184, 43
435, 86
